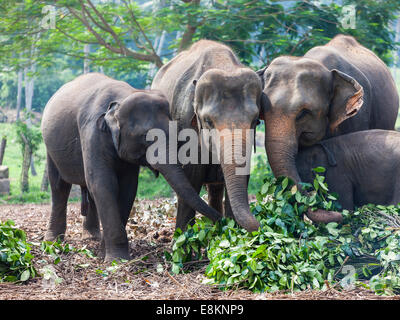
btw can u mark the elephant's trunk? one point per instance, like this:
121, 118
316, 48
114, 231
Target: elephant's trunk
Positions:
236, 182
282, 151
282, 158
177, 179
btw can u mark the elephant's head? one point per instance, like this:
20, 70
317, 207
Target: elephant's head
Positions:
302, 103
128, 122
309, 158
229, 101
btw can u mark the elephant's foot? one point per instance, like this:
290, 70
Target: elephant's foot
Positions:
91, 234
53, 235
114, 252
117, 255
91, 227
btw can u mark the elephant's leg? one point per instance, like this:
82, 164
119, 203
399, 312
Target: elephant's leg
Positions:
104, 188
59, 197
91, 224
128, 183
185, 214
215, 196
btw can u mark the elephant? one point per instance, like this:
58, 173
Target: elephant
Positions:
361, 167
209, 89
94, 129
334, 89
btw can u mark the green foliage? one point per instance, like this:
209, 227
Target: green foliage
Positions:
374, 249
16, 259
32, 135
57, 248
122, 35
12, 159
15, 254
152, 187
260, 168
288, 253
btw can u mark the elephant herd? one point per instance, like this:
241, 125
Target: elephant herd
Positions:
316, 109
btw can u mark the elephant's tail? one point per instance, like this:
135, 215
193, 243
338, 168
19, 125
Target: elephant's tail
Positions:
84, 201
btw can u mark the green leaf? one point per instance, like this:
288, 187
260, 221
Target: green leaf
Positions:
25, 275
285, 183
180, 240
224, 244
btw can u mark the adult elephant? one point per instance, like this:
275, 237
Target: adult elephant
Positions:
208, 88
334, 89
94, 129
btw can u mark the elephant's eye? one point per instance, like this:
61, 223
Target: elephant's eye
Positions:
302, 114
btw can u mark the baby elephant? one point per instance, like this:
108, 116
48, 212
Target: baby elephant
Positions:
94, 129
361, 167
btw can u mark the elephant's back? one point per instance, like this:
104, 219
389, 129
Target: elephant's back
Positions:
76, 104
384, 91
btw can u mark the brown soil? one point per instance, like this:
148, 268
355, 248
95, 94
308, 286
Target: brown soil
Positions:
150, 230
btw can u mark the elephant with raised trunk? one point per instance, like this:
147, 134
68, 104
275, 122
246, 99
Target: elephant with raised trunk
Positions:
334, 89
208, 88
95, 129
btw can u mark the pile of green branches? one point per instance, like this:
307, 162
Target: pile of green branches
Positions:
289, 253
15, 254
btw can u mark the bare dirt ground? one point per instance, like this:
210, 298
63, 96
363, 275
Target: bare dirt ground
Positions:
146, 276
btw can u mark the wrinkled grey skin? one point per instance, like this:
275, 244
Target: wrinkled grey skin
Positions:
361, 167
207, 87
334, 89
94, 129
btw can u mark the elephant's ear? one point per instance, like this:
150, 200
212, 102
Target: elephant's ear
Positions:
260, 73
347, 98
101, 122
112, 123
329, 155
265, 105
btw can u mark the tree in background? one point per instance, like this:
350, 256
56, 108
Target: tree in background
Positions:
29, 138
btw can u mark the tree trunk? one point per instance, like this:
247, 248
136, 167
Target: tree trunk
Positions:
2, 149
29, 89
45, 180
19, 93
25, 169
33, 170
